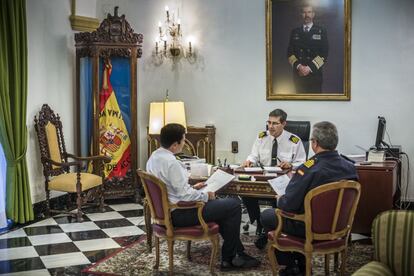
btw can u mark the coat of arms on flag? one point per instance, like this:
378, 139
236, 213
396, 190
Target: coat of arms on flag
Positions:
114, 140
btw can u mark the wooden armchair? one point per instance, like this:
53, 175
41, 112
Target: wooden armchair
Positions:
157, 198
328, 217
56, 167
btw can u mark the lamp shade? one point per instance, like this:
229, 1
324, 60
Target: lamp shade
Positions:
162, 113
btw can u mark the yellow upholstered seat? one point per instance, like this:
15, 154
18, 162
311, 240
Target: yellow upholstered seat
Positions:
67, 182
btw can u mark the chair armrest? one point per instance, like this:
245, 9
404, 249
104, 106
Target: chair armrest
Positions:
279, 214
289, 215
191, 205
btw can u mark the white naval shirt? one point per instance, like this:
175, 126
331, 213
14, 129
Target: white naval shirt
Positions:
172, 172
287, 150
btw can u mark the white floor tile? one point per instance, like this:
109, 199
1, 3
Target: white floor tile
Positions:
79, 226
355, 237
39, 272
14, 234
62, 260
96, 244
18, 253
49, 239
45, 222
126, 206
123, 231
137, 220
104, 216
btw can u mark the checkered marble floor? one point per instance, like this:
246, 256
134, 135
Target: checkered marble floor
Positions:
61, 246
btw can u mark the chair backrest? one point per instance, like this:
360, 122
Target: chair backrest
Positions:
393, 238
157, 198
330, 210
51, 141
302, 130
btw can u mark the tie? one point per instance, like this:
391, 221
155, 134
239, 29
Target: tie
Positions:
306, 29
274, 153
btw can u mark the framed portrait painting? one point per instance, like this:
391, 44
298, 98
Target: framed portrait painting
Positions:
308, 52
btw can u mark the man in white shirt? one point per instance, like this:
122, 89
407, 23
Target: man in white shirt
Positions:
225, 212
274, 147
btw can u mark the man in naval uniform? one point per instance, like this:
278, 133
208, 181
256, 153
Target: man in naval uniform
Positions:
307, 53
274, 147
225, 212
324, 167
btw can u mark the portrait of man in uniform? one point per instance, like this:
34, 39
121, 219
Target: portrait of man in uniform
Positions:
308, 49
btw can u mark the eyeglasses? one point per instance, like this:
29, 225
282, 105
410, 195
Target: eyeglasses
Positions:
270, 123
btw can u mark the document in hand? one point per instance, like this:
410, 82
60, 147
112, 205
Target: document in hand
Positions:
217, 181
279, 184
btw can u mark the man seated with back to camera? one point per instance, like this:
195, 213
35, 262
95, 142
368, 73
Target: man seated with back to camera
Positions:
274, 147
225, 212
324, 167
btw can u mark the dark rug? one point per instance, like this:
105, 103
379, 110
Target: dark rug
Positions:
135, 260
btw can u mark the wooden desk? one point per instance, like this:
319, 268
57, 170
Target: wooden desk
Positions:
378, 187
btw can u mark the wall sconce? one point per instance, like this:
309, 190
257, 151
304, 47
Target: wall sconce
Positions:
168, 43
166, 112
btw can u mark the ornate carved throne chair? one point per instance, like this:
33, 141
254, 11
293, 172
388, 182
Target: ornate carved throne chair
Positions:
56, 168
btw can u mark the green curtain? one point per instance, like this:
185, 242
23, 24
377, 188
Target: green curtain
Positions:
13, 96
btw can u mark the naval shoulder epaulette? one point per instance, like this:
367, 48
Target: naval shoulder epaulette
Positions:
308, 164
294, 139
262, 134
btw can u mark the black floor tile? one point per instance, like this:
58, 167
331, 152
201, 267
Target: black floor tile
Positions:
14, 242
142, 227
57, 248
42, 230
97, 255
132, 213
70, 270
87, 235
113, 223
124, 241
95, 209
10, 266
69, 219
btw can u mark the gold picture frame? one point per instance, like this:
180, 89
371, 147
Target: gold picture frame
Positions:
324, 50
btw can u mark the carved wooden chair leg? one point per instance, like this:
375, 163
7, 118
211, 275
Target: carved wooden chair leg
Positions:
272, 259
336, 262
101, 199
170, 256
148, 228
343, 261
79, 205
157, 252
308, 257
214, 252
189, 250
326, 264
47, 203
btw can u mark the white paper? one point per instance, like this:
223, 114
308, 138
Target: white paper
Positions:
279, 184
218, 180
253, 169
273, 169
198, 169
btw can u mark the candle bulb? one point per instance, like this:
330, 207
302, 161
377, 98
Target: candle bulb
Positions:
178, 26
159, 27
189, 47
156, 47
167, 10
165, 45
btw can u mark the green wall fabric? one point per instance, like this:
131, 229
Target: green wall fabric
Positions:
13, 96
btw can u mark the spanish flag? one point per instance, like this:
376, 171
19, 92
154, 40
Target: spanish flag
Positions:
114, 140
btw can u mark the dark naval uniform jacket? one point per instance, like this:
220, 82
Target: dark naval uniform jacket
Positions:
322, 168
311, 49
